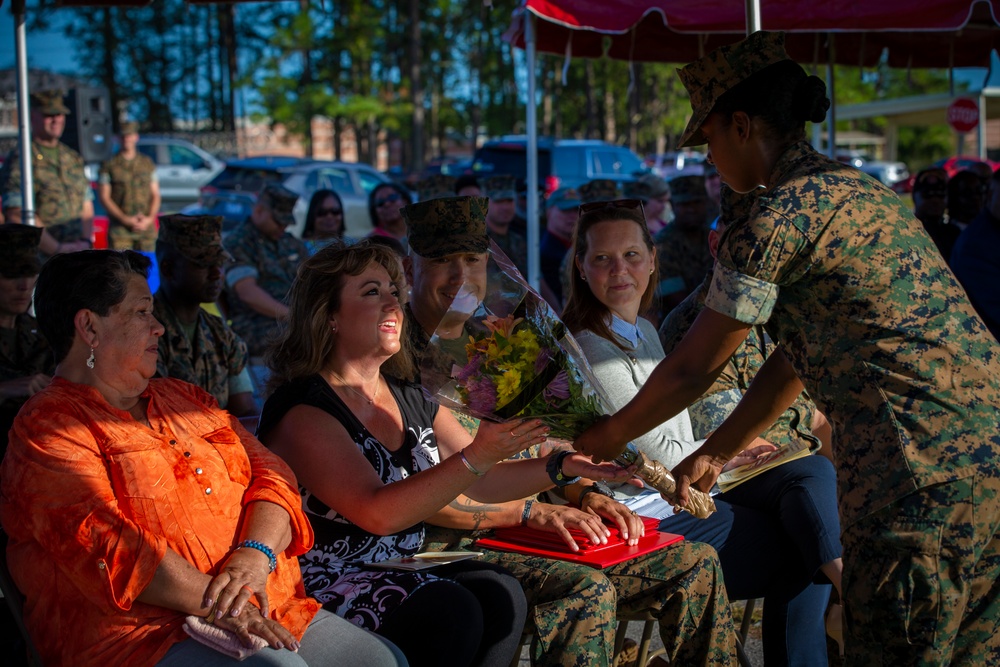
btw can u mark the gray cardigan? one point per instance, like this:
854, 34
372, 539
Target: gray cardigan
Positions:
621, 375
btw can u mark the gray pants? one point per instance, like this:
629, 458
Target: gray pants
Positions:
329, 640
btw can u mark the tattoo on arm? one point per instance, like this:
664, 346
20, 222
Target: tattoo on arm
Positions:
481, 513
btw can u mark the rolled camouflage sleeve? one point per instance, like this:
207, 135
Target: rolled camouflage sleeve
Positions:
756, 257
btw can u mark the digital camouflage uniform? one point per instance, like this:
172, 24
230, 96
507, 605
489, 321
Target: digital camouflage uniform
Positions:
61, 188
683, 257
574, 607
890, 348
725, 393
273, 264
215, 355
131, 189
23, 350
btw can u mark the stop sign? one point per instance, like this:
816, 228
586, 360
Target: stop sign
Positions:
963, 114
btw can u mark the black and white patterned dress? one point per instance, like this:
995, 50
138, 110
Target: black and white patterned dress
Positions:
329, 570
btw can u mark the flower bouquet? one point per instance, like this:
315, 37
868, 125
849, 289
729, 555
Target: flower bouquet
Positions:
501, 353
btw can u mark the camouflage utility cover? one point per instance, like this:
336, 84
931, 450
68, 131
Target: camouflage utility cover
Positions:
875, 324
707, 79
19, 251
197, 237
49, 102
447, 225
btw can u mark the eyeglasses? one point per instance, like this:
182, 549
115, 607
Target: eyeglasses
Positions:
628, 204
330, 211
388, 199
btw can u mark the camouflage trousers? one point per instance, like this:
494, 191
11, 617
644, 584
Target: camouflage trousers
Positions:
573, 608
922, 578
121, 237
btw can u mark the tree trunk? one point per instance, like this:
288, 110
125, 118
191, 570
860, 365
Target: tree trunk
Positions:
228, 66
416, 86
591, 101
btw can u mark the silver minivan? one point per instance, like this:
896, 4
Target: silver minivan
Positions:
182, 168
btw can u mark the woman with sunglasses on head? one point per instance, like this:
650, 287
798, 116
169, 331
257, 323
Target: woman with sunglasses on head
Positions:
384, 204
774, 532
867, 314
324, 220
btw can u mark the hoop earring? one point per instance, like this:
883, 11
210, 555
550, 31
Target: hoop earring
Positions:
90, 359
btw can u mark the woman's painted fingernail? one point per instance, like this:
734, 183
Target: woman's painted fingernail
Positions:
208, 603
279, 645
218, 614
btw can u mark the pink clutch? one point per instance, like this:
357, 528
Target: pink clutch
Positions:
221, 640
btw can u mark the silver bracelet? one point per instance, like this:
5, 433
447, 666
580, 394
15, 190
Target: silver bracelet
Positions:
526, 512
468, 465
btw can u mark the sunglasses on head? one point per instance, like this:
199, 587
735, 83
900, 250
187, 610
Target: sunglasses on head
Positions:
388, 199
329, 211
628, 204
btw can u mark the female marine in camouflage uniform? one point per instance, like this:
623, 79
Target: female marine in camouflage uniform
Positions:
871, 319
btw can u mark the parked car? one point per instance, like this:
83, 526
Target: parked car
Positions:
182, 168
890, 173
951, 165
233, 191
669, 165
561, 162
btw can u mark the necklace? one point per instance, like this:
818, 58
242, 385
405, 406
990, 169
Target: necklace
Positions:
370, 401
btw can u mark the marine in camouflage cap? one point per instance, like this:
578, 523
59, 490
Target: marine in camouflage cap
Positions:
438, 185
708, 78
500, 187
688, 188
19, 250
637, 190
447, 225
197, 237
564, 199
601, 189
280, 201
49, 102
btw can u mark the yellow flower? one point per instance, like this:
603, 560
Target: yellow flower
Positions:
507, 386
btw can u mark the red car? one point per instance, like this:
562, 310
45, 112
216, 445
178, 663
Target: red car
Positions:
951, 165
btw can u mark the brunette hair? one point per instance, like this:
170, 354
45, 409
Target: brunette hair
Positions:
95, 280
583, 310
782, 95
314, 205
305, 344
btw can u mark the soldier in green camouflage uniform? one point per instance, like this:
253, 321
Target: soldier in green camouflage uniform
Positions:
573, 608
799, 422
196, 346
130, 192
26, 361
868, 315
682, 246
265, 261
502, 193
63, 199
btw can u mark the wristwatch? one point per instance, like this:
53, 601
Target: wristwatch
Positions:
554, 468
599, 488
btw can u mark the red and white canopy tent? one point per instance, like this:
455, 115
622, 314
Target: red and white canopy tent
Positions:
913, 33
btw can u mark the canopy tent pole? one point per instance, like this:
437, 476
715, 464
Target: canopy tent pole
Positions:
532, 178
17, 8
753, 16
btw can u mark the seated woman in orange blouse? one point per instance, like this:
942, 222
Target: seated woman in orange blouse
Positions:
132, 503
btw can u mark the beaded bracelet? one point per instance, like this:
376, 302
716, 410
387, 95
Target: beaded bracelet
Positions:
272, 560
472, 468
526, 512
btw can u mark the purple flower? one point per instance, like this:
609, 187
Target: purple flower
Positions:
463, 373
482, 395
544, 356
558, 389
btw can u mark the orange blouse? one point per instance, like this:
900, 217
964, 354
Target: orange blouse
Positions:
91, 500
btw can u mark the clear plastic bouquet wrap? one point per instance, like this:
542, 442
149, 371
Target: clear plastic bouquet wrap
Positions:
501, 353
